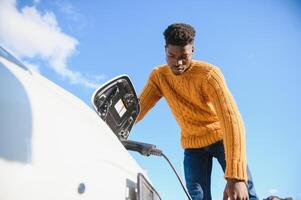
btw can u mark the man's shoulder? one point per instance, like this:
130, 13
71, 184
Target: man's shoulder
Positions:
162, 69
203, 66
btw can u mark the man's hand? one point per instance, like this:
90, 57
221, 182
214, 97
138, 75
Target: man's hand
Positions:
235, 190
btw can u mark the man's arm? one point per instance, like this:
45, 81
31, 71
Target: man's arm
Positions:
150, 94
233, 134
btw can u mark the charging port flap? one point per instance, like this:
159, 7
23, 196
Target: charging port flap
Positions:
117, 104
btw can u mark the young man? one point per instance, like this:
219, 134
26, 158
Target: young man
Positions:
210, 123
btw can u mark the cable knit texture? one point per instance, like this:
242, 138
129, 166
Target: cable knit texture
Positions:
203, 107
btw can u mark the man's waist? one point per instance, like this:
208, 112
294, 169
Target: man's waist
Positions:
200, 140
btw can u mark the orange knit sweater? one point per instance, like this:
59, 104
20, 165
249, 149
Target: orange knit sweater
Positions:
203, 107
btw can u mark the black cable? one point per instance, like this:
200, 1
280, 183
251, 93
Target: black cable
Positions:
177, 176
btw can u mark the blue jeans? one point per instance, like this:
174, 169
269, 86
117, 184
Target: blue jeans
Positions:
198, 167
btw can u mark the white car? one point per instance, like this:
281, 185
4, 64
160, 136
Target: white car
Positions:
53, 146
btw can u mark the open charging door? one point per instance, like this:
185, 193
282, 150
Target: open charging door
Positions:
117, 104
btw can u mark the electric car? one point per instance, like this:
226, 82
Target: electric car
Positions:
53, 146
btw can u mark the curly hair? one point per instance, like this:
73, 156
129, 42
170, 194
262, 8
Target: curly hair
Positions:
179, 34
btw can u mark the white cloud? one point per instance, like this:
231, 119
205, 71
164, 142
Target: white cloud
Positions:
30, 34
273, 191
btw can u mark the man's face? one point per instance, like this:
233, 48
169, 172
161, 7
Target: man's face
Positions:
179, 58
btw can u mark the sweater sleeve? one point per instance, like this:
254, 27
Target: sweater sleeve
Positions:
149, 96
231, 124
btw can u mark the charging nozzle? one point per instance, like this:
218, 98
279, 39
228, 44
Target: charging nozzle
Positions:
143, 148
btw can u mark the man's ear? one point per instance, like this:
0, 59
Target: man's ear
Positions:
192, 49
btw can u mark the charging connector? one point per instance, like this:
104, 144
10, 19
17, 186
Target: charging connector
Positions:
143, 148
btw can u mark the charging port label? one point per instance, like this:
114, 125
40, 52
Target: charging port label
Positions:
120, 108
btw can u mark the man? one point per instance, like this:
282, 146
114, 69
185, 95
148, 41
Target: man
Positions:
210, 123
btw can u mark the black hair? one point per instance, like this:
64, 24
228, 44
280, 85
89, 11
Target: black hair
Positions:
179, 34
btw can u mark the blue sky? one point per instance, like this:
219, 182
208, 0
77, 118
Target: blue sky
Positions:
81, 44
